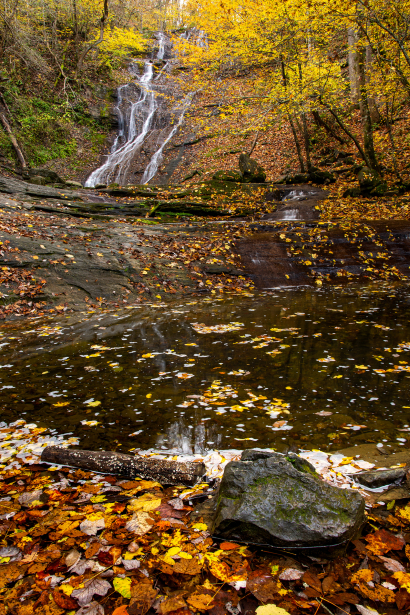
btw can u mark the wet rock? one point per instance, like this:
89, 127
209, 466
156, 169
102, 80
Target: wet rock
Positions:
228, 176
281, 501
380, 478
251, 171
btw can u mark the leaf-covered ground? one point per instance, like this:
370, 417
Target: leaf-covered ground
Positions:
81, 543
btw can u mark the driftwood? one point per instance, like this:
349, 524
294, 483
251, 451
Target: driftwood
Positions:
13, 140
108, 462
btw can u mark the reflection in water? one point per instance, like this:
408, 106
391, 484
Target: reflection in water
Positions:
299, 368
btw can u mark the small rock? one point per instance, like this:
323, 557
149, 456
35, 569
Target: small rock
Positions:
266, 499
380, 478
74, 184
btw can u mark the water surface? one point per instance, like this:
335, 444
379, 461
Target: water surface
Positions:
303, 368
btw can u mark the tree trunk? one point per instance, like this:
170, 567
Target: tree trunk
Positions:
374, 112
297, 144
307, 144
329, 129
352, 39
13, 140
108, 462
366, 120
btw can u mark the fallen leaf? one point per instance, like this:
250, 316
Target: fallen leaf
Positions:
392, 564
383, 541
122, 586
94, 586
270, 609
291, 574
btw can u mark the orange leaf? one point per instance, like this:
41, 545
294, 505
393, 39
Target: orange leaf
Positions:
383, 541
121, 610
228, 546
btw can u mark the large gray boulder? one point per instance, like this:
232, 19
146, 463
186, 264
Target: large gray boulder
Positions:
252, 172
268, 498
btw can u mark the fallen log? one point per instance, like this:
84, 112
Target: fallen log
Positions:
108, 462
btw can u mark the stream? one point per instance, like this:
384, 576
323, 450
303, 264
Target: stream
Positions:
298, 368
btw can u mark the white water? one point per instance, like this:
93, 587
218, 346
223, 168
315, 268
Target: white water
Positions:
155, 161
142, 112
135, 120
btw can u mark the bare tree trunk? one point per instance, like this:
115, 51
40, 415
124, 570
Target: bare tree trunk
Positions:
13, 140
321, 122
349, 133
352, 39
392, 143
366, 119
298, 148
307, 144
374, 112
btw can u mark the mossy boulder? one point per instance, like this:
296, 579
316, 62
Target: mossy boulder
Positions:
267, 498
42, 177
370, 182
228, 176
251, 171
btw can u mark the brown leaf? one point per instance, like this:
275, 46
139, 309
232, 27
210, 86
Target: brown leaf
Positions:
344, 597
327, 584
311, 592
312, 580
200, 601
383, 541
262, 585
172, 604
403, 599
10, 572
187, 566
93, 549
63, 601
142, 597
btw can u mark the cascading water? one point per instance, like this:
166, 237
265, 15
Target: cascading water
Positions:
135, 124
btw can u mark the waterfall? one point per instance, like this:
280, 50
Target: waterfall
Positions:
135, 123
155, 161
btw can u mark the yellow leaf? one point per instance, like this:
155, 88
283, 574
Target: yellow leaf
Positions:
270, 609
67, 589
202, 527
184, 555
145, 503
93, 404
173, 551
123, 586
